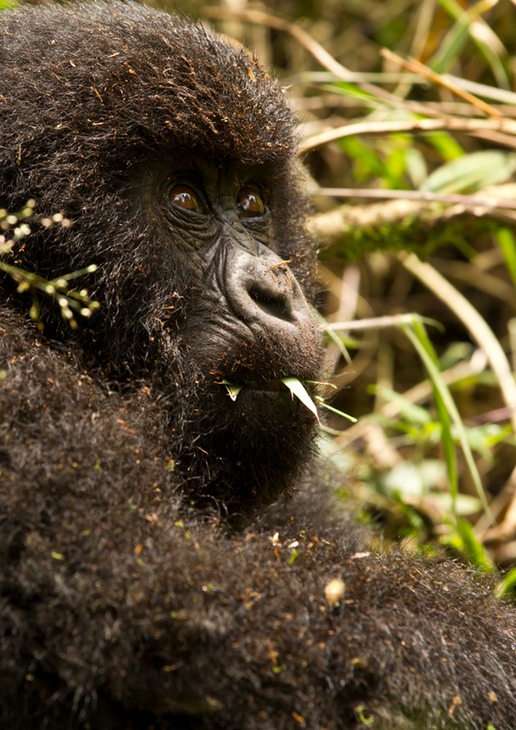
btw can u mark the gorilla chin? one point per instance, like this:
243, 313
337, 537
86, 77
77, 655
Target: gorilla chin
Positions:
260, 418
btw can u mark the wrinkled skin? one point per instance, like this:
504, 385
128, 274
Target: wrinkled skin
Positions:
242, 318
145, 582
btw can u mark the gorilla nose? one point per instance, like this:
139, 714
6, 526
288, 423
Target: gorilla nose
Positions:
272, 293
264, 292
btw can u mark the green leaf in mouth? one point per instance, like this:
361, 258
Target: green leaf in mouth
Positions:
338, 412
233, 388
298, 390
294, 385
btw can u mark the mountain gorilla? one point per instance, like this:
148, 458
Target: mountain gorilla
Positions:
145, 582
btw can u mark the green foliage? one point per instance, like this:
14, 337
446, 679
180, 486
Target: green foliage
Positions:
71, 302
424, 170
507, 586
504, 237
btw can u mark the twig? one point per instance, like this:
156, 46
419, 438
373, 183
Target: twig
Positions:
450, 124
469, 316
353, 229
487, 200
418, 68
305, 40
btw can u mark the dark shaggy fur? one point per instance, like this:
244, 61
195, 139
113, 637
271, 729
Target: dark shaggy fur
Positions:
126, 601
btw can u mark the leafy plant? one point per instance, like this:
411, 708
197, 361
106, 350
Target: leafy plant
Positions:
72, 302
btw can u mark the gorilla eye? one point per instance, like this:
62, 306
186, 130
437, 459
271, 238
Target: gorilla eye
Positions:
249, 203
185, 197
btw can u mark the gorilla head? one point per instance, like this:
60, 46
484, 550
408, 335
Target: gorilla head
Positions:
176, 169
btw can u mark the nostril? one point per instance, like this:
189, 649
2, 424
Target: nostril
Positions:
277, 305
263, 292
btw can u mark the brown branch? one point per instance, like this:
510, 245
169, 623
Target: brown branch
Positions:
503, 196
409, 224
414, 66
450, 124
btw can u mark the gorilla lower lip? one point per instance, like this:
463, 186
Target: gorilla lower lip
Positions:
271, 385
274, 385
291, 384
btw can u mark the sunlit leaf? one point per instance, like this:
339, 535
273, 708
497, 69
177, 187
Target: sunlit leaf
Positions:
507, 243
472, 172
298, 390
233, 389
465, 540
507, 587
448, 414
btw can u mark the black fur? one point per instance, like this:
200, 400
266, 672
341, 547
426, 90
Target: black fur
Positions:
126, 601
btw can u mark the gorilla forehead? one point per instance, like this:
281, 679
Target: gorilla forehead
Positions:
191, 87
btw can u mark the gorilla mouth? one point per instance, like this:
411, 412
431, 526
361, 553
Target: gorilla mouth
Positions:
291, 385
270, 385
273, 385
235, 387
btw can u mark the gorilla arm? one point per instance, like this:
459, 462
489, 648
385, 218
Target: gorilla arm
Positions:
126, 608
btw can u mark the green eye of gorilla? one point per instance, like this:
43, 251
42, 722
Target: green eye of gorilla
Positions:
185, 197
249, 203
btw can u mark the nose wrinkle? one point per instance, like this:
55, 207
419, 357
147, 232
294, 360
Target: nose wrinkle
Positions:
272, 293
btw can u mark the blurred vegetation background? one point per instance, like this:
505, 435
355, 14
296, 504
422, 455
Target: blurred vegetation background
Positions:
408, 132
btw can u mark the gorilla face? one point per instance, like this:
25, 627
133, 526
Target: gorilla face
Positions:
177, 171
226, 308
237, 308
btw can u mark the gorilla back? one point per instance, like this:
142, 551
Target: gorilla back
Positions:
127, 600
